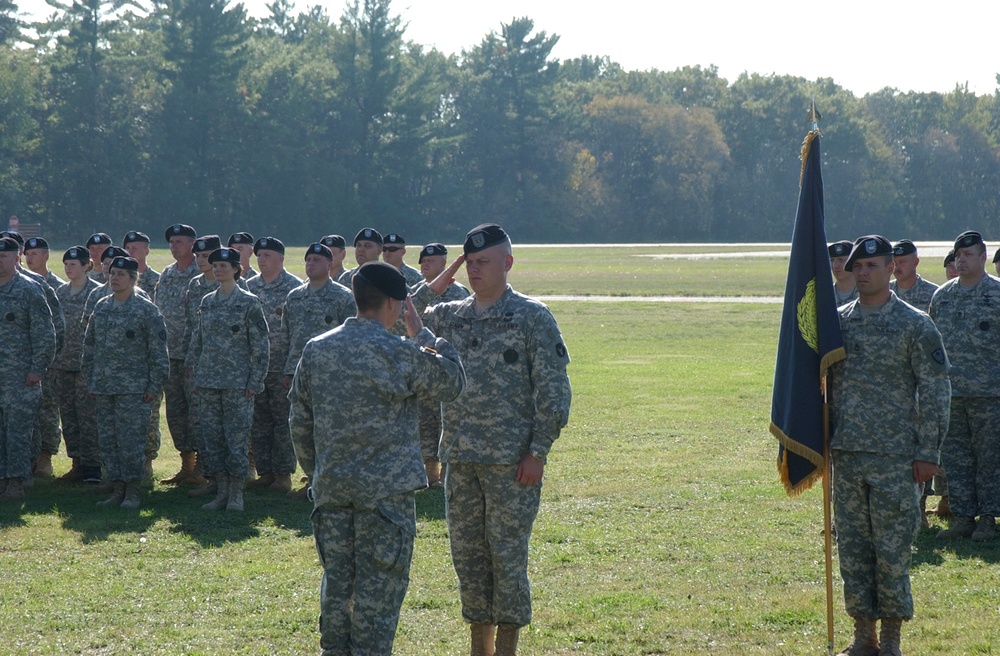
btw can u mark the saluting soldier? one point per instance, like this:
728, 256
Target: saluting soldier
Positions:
272, 445
497, 437
889, 401
169, 298
228, 361
79, 424
354, 422
27, 345
125, 362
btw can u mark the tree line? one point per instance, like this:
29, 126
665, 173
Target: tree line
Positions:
117, 114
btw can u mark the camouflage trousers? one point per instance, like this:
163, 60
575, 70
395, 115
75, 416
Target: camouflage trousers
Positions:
366, 555
430, 429
46, 435
224, 421
270, 437
971, 456
79, 423
18, 407
153, 431
177, 397
490, 517
122, 420
877, 506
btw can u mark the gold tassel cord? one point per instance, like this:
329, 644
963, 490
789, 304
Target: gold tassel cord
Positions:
806, 144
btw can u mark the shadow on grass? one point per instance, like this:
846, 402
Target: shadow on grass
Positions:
930, 550
76, 509
430, 504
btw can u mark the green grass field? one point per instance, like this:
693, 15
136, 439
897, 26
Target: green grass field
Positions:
663, 529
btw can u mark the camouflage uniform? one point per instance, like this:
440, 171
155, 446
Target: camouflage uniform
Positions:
272, 446
843, 299
79, 422
227, 356
45, 433
894, 356
147, 281
27, 345
919, 295
413, 276
124, 356
969, 321
516, 403
345, 278
309, 313
430, 411
169, 298
353, 422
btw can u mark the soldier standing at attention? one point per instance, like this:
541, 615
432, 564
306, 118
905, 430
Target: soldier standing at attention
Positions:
169, 298
967, 312
312, 309
96, 244
890, 399
393, 250
496, 439
354, 424
228, 362
27, 345
125, 363
843, 281
949, 265
136, 244
271, 443
367, 248
36, 257
433, 260
338, 249
243, 242
75, 406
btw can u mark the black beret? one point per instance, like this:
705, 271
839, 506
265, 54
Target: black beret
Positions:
124, 262
240, 238
79, 253
385, 277
16, 236
866, 247
432, 249
996, 256
333, 241
368, 234
393, 238
207, 244
230, 255
113, 251
316, 248
968, 238
99, 238
484, 236
904, 247
180, 230
949, 258
268, 244
8, 244
840, 248
133, 236
35, 242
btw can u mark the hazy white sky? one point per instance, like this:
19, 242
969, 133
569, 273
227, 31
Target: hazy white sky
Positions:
863, 45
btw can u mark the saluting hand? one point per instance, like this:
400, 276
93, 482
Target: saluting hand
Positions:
445, 278
413, 322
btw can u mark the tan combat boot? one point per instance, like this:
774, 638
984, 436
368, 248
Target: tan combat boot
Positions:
282, 483
117, 495
865, 642
131, 500
222, 494
14, 490
197, 476
187, 466
889, 637
259, 484
962, 527
235, 503
944, 509
43, 465
507, 635
147, 470
476, 640
986, 529
433, 470
74, 475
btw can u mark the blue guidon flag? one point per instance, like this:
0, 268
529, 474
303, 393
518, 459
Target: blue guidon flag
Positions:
810, 339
